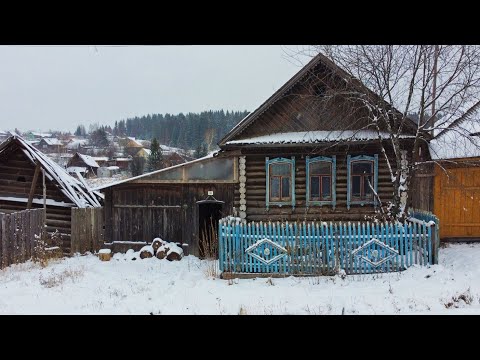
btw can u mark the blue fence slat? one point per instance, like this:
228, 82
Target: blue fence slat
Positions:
430, 245
411, 238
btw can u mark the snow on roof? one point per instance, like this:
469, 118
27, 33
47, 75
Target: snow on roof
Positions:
89, 160
304, 137
123, 159
71, 187
210, 155
167, 150
135, 142
75, 143
74, 169
113, 168
100, 158
41, 134
457, 142
52, 141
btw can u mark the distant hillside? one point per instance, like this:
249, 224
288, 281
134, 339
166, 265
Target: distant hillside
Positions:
187, 131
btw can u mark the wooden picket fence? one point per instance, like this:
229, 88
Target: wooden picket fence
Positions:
18, 234
324, 247
88, 233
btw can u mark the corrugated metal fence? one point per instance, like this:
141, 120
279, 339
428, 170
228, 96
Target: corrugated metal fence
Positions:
326, 247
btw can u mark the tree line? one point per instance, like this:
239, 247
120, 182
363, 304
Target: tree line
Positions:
187, 131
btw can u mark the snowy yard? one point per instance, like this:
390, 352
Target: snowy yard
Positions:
85, 285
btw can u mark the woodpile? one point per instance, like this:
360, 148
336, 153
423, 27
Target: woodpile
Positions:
162, 249
146, 252
159, 248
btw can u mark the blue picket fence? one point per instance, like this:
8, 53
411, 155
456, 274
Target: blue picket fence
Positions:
324, 247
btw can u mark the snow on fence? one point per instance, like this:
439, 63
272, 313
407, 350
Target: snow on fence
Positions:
88, 232
18, 231
324, 247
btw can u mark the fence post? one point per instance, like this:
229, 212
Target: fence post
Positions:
434, 244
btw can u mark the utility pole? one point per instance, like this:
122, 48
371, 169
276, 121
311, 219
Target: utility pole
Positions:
434, 90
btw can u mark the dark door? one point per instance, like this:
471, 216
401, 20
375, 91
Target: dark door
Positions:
209, 213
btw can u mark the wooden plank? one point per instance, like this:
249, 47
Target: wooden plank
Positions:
12, 240
5, 248
2, 216
34, 185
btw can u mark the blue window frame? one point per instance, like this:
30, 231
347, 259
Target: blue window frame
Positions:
362, 175
321, 180
280, 181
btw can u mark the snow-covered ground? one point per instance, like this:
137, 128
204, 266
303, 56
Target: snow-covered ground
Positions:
86, 285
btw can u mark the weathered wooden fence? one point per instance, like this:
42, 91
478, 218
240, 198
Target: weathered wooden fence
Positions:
324, 247
18, 231
87, 230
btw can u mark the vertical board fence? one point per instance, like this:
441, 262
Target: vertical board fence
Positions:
88, 232
18, 231
324, 248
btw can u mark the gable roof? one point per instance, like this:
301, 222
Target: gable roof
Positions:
461, 141
132, 142
51, 141
88, 160
279, 94
69, 186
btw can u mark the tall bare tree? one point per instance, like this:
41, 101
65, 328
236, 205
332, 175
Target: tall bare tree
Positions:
438, 84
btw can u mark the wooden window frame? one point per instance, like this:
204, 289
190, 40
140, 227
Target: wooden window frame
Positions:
291, 200
361, 158
333, 175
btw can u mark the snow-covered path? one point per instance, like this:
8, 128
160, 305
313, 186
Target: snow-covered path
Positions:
85, 285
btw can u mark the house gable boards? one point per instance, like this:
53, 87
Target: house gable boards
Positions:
315, 99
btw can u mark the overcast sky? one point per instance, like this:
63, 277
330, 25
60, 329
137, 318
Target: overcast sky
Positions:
59, 87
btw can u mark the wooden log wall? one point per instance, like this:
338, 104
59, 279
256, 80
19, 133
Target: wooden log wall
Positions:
18, 231
87, 230
256, 186
141, 212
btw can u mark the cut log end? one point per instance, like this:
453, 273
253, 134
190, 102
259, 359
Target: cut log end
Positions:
174, 256
145, 254
161, 254
156, 243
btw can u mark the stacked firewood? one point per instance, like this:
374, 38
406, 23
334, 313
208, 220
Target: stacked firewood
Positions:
162, 249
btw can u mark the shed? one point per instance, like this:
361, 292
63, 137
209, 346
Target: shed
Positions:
85, 164
170, 202
21, 186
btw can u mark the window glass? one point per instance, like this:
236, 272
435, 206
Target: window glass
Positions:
356, 186
275, 187
326, 187
285, 187
362, 167
280, 169
320, 168
314, 187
